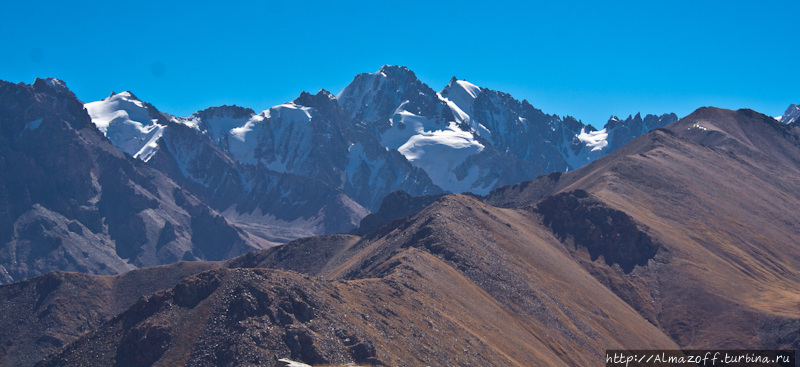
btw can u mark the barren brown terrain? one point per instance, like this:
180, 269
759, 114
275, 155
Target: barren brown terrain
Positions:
460, 283
720, 190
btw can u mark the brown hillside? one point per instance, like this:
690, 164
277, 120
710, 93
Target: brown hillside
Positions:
460, 283
39, 315
720, 191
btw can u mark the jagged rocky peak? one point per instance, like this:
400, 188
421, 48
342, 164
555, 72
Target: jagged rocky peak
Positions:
620, 132
574, 124
650, 121
232, 111
791, 115
56, 87
614, 121
374, 97
56, 84
322, 98
462, 86
462, 93
397, 72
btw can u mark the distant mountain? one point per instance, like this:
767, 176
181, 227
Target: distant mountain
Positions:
276, 205
385, 131
70, 200
791, 115
467, 138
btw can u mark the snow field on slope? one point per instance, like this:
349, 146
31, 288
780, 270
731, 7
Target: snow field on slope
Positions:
596, 140
126, 122
436, 148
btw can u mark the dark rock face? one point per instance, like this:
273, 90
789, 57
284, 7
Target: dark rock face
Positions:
233, 111
578, 219
622, 132
524, 193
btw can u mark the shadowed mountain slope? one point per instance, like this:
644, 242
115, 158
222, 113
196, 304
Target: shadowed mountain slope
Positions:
70, 200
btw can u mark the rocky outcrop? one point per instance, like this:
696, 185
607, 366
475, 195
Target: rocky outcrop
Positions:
582, 221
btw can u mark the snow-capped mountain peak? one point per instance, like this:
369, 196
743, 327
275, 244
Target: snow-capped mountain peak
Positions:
461, 93
384, 131
468, 90
128, 123
791, 115
56, 84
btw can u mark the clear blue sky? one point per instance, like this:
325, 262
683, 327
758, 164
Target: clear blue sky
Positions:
588, 59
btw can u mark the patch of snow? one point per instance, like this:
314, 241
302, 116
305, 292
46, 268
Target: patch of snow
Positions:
461, 96
698, 126
292, 111
219, 125
462, 93
472, 89
436, 148
56, 84
242, 139
283, 362
595, 140
191, 121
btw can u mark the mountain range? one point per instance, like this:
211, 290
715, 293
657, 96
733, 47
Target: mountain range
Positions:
683, 238
131, 180
519, 238
385, 131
